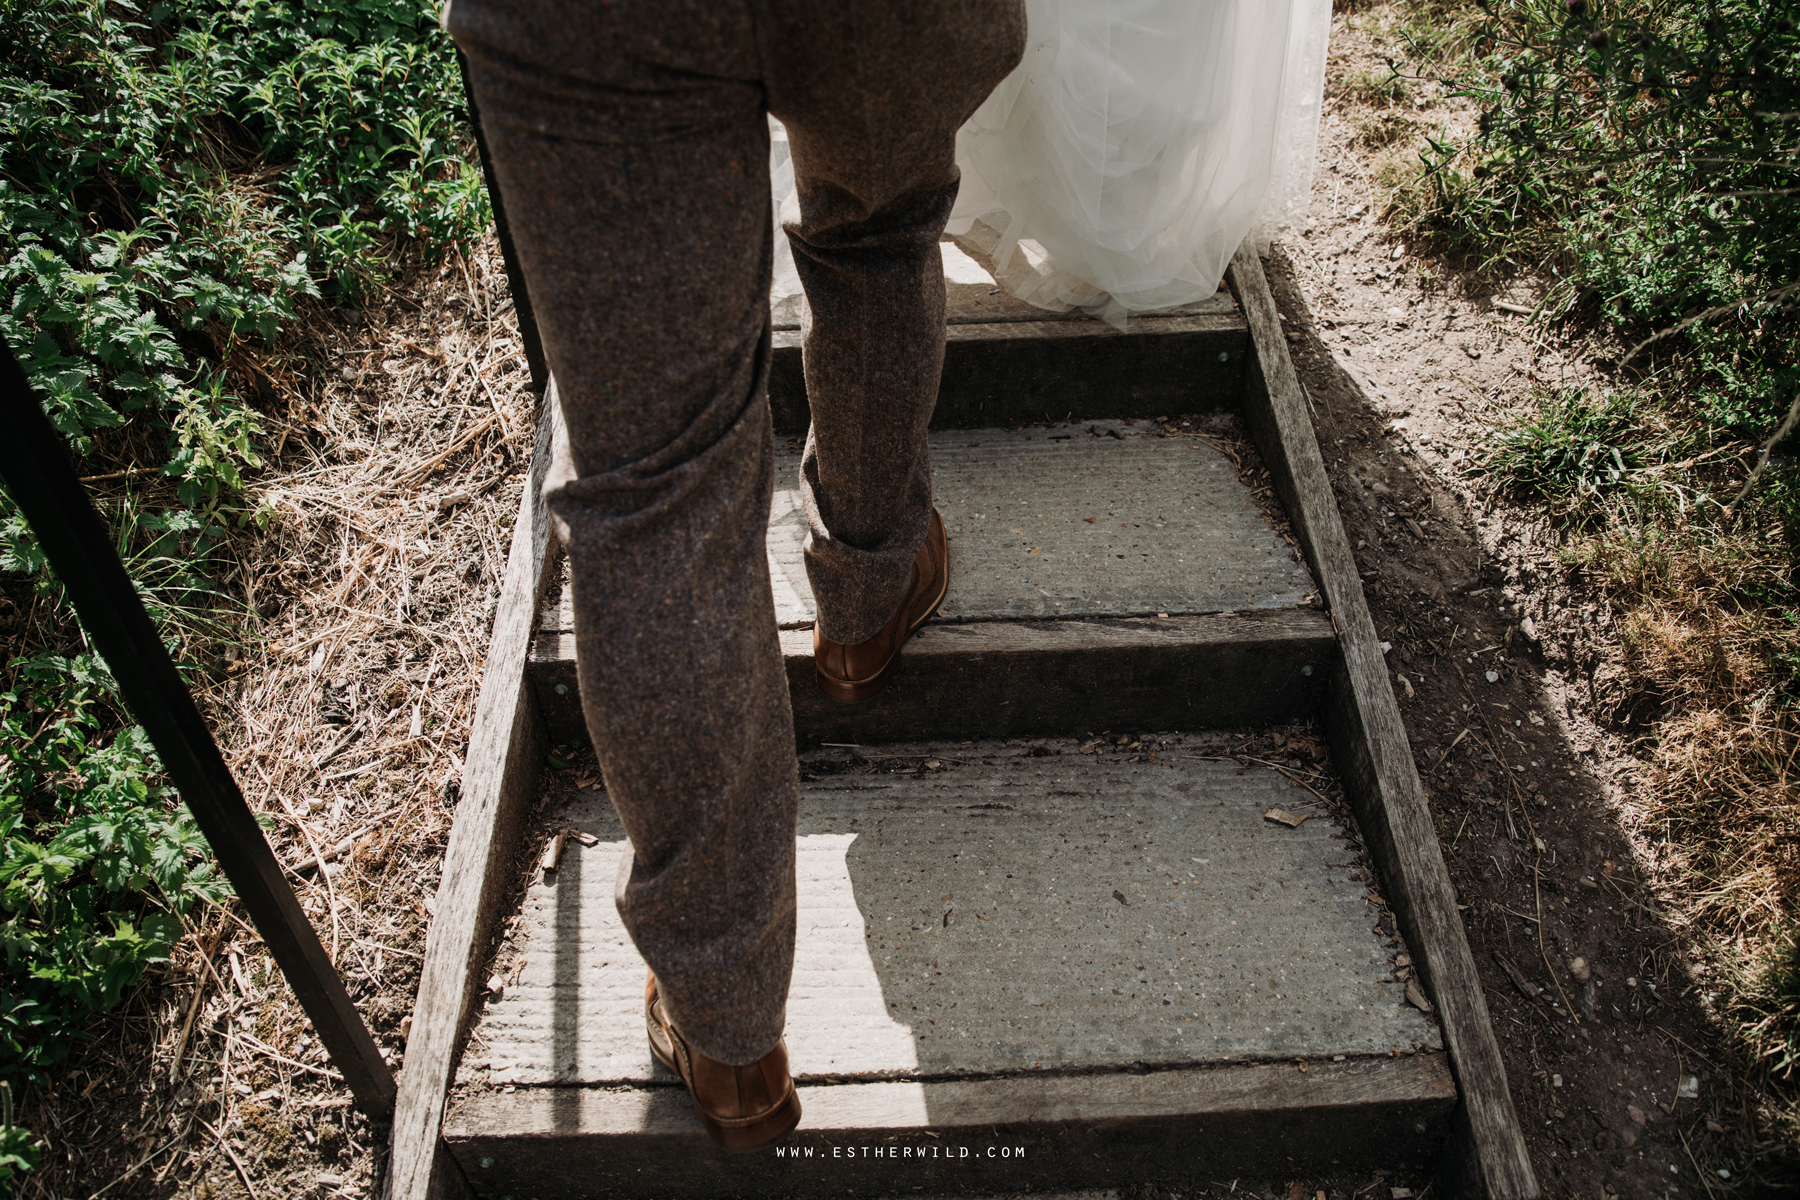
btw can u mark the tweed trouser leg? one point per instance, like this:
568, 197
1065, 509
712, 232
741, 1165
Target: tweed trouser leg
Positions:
630, 143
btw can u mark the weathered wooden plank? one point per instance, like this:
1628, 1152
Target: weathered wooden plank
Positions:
1017, 1132
1004, 678
1097, 519
961, 922
506, 747
986, 304
1008, 373
1370, 746
981, 304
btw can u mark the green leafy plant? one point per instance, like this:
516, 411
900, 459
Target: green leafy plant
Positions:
96, 861
1640, 159
19, 1149
183, 185
1573, 451
175, 183
1646, 157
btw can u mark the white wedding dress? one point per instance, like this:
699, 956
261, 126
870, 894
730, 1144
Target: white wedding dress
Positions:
1135, 147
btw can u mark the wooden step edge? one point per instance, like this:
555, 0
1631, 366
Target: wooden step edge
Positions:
1148, 328
989, 679
1015, 1133
976, 304
1010, 372
506, 749
1369, 743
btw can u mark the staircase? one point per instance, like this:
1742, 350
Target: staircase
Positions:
1053, 932
1068, 968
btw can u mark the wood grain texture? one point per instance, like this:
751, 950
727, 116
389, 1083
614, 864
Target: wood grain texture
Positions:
1238, 939
1032, 1131
978, 301
506, 747
1097, 519
1008, 373
986, 303
1371, 749
1004, 678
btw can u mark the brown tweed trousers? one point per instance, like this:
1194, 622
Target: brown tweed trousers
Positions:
631, 146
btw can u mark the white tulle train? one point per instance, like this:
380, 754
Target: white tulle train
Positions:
1135, 147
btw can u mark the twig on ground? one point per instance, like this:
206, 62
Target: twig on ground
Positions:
1690, 1154
243, 1173
341, 745
414, 474
1281, 770
187, 1025
125, 473
249, 931
148, 1158
505, 427
279, 651
353, 772
1537, 875
318, 855
1509, 912
268, 1051
1762, 460
1447, 749
342, 846
389, 949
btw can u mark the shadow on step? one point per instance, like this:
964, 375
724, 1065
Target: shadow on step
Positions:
1016, 966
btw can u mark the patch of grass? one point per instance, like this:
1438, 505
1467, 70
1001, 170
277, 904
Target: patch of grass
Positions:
1782, 987
1707, 624
20, 1150
184, 186
1378, 89
1641, 159
1573, 452
1379, 130
1638, 154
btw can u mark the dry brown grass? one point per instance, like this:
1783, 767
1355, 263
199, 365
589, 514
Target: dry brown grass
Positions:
394, 480
1721, 785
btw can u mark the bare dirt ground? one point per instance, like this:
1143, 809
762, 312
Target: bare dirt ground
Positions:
395, 483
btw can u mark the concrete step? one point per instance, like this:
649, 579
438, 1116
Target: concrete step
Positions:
1018, 965
1007, 362
1101, 575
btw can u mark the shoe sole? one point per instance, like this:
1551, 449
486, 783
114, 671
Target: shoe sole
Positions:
736, 1138
859, 690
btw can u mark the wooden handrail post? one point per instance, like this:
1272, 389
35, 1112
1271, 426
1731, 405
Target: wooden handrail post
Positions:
34, 463
515, 278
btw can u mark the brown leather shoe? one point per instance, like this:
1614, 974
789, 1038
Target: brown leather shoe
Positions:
856, 672
741, 1107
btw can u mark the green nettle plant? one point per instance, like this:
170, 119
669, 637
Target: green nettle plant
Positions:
180, 183
19, 1150
84, 836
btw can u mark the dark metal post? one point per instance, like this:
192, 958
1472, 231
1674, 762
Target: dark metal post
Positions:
34, 464
515, 279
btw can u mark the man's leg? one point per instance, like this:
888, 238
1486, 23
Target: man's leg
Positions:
872, 94
630, 142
